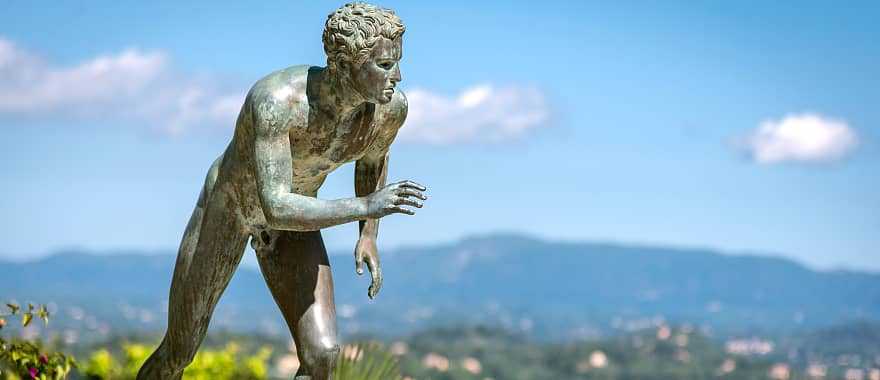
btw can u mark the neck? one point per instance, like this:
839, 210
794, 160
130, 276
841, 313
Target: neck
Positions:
336, 96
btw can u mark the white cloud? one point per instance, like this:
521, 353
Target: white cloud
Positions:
132, 85
801, 138
136, 87
482, 113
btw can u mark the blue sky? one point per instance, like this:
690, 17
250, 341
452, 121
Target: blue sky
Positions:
741, 126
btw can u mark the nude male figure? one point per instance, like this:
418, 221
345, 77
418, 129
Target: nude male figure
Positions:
296, 126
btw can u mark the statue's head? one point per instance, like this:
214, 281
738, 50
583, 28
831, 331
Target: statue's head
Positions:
364, 44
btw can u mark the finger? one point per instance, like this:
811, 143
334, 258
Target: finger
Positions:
408, 202
359, 261
413, 185
407, 192
371, 266
400, 210
376, 286
376, 282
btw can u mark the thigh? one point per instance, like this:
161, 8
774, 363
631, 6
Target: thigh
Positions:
209, 254
297, 271
211, 249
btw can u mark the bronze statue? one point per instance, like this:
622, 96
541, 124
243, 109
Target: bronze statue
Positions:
295, 127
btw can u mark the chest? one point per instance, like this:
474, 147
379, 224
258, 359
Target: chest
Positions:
323, 145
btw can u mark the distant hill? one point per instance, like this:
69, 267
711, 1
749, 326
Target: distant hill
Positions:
550, 289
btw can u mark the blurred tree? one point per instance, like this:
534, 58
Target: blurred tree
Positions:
223, 364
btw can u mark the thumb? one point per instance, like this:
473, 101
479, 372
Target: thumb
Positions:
359, 261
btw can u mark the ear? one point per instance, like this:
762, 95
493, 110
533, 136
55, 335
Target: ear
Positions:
345, 67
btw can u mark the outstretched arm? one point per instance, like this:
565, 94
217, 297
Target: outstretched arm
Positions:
286, 210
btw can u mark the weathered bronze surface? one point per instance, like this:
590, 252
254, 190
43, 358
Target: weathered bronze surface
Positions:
296, 126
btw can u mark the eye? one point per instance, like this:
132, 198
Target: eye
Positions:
386, 65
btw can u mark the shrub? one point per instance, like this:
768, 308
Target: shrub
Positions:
29, 360
225, 364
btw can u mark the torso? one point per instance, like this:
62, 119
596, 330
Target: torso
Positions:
318, 146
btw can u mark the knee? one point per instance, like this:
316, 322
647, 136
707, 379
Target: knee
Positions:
326, 355
321, 358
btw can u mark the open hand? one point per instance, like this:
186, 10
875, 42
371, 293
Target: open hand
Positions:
396, 198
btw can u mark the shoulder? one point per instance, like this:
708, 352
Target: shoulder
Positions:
390, 119
279, 100
284, 85
395, 111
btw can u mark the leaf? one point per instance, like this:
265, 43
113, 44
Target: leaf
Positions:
13, 308
26, 318
43, 314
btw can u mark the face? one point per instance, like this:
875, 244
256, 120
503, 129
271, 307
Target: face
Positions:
377, 78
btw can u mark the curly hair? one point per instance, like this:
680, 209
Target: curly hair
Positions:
351, 31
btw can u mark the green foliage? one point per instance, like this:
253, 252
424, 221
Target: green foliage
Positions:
223, 364
367, 361
227, 364
101, 365
28, 316
29, 360
135, 356
255, 365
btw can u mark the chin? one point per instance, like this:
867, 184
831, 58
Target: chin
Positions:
382, 99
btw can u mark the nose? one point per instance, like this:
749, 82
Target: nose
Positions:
395, 75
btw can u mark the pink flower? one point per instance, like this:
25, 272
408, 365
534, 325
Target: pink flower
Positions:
33, 372
44, 359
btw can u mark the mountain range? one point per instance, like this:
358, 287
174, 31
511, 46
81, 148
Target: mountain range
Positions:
549, 289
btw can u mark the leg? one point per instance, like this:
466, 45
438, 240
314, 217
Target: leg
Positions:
297, 270
209, 254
